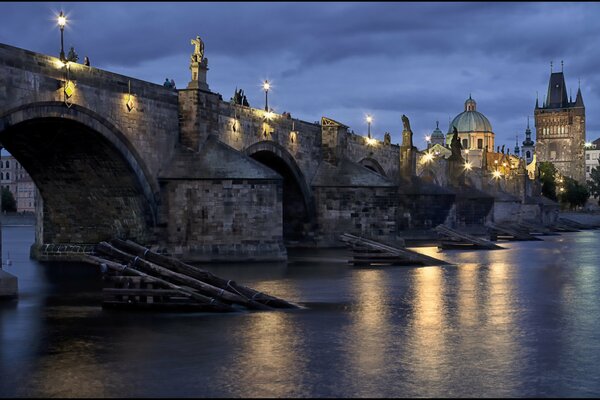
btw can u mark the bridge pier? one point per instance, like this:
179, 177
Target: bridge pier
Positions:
8, 282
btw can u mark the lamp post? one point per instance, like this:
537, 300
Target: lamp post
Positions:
266, 87
369, 120
62, 21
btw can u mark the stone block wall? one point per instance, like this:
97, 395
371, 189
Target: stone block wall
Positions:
361, 211
223, 219
423, 211
387, 155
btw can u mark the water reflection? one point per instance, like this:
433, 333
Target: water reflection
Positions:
427, 336
510, 323
369, 341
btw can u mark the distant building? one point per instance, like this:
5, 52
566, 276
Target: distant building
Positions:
528, 147
14, 177
560, 129
437, 136
474, 131
592, 154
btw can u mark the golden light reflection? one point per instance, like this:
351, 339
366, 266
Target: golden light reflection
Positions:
370, 331
469, 308
271, 345
428, 341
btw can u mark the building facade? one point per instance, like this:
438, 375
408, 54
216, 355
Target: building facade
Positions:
592, 155
14, 177
560, 129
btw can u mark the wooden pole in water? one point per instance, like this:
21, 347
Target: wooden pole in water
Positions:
208, 301
155, 269
201, 274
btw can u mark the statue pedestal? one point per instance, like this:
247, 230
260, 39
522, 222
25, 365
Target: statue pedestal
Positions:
198, 76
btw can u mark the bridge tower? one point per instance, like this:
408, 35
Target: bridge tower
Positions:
560, 129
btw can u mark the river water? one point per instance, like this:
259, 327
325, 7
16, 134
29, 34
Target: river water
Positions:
519, 322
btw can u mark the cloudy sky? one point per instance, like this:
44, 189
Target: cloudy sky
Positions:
342, 60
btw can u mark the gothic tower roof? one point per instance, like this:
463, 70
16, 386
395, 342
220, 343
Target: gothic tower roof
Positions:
579, 99
557, 91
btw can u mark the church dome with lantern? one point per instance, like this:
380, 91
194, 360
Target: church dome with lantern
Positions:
474, 129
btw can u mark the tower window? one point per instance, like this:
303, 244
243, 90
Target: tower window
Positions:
528, 154
480, 143
465, 143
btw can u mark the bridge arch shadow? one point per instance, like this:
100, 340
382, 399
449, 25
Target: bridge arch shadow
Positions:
93, 184
373, 165
298, 203
428, 175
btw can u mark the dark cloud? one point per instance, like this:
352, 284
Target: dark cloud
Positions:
343, 59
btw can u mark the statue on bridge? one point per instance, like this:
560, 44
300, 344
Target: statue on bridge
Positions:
407, 133
198, 66
387, 139
198, 54
455, 147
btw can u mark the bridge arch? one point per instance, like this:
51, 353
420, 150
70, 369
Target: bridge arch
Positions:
93, 183
428, 175
298, 201
373, 165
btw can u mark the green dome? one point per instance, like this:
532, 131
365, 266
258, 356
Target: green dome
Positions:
470, 120
437, 133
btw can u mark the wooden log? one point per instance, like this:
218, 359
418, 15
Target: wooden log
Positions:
536, 229
461, 236
178, 278
409, 255
511, 232
139, 292
212, 303
202, 275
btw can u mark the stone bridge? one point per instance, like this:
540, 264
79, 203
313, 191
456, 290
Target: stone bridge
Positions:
204, 178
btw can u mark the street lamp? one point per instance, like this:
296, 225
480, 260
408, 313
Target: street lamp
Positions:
62, 21
369, 120
266, 86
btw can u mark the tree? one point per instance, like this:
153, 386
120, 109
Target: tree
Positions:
8, 201
573, 193
594, 183
548, 177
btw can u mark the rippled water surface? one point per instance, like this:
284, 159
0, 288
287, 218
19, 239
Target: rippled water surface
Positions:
517, 322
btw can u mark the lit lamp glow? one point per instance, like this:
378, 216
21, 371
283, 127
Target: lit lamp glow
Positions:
497, 174
369, 120
428, 157
62, 21
468, 166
